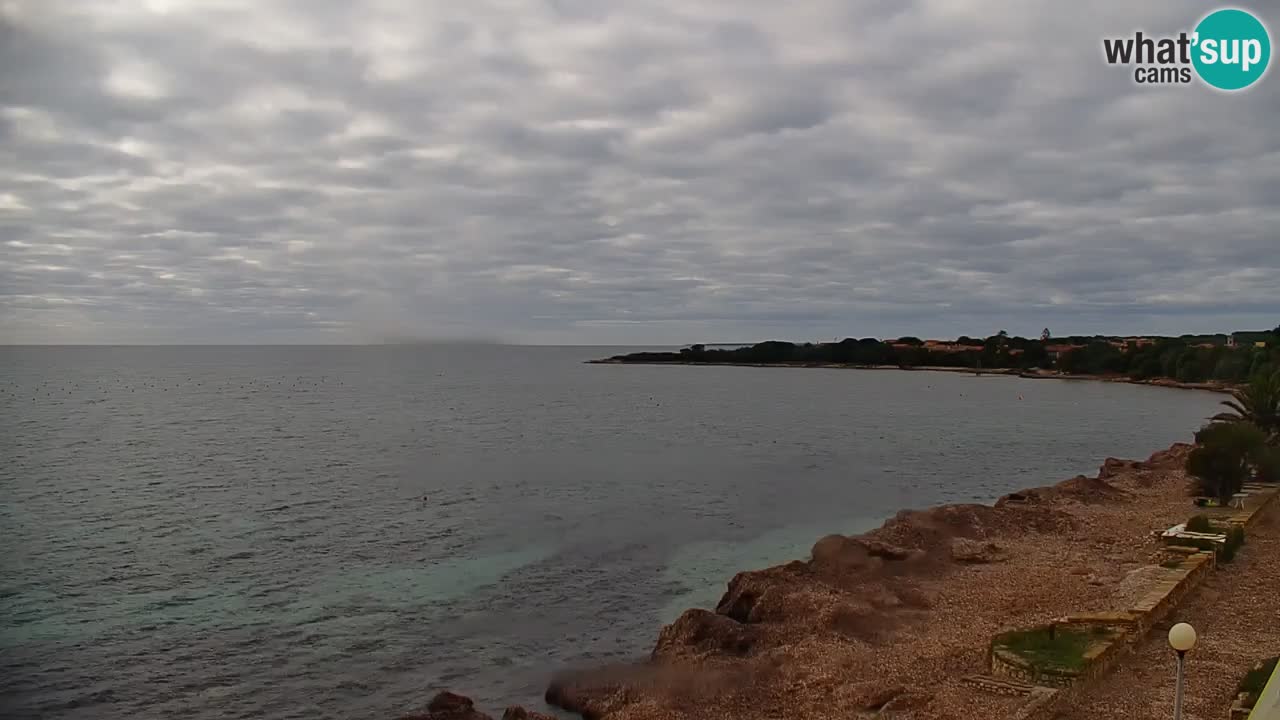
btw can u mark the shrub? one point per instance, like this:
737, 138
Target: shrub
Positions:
1235, 538
1221, 463
1256, 680
1267, 464
1236, 535
1200, 524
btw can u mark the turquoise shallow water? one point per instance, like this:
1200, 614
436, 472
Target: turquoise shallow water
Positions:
339, 532
705, 566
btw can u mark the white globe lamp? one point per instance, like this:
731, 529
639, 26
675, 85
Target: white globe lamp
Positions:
1182, 638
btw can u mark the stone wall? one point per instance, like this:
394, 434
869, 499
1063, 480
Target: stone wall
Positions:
1165, 594
1097, 659
1144, 614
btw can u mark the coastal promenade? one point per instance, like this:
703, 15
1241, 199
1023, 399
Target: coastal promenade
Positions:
1236, 613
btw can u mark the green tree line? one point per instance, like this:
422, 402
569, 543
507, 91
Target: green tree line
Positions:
1188, 358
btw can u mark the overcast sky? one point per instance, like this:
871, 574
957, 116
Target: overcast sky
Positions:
622, 171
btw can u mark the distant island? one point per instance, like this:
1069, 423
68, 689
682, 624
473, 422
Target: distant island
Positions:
1219, 359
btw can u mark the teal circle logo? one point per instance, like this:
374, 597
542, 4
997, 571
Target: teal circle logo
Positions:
1232, 49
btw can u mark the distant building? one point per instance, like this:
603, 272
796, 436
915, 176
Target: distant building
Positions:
1057, 351
948, 346
1260, 344
1231, 341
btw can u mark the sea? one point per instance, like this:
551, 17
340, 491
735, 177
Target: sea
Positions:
340, 532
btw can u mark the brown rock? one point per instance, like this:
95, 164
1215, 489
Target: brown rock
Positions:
1016, 498
1174, 458
704, 632
519, 713
876, 548
1087, 489
1112, 467
964, 550
449, 706
841, 553
758, 596
594, 693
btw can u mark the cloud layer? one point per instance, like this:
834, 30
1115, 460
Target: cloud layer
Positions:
625, 172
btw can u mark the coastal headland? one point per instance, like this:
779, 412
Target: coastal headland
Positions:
1204, 362
895, 622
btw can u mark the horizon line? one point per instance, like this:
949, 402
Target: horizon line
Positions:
493, 343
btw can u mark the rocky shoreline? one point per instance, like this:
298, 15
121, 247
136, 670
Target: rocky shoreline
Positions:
1009, 372
451, 706
885, 624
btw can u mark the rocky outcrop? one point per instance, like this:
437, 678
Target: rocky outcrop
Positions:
964, 550
704, 632
1170, 459
1112, 467
451, 706
593, 693
1086, 489
519, 713
1142, 473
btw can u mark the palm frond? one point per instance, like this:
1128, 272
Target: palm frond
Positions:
1238, 407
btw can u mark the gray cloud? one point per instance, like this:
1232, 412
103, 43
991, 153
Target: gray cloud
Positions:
629, 172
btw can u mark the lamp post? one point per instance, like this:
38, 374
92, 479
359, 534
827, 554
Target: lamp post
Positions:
1182, 637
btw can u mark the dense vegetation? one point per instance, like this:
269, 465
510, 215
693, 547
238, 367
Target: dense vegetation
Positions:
1243, 443
1189, 358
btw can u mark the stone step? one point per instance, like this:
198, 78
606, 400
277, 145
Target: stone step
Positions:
999, 685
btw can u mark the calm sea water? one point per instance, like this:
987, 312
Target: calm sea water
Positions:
338, 532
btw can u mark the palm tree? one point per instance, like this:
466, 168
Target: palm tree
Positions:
1257, 403
1225, 455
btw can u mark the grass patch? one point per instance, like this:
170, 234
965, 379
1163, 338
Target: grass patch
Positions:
1060, 649
1255, 680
